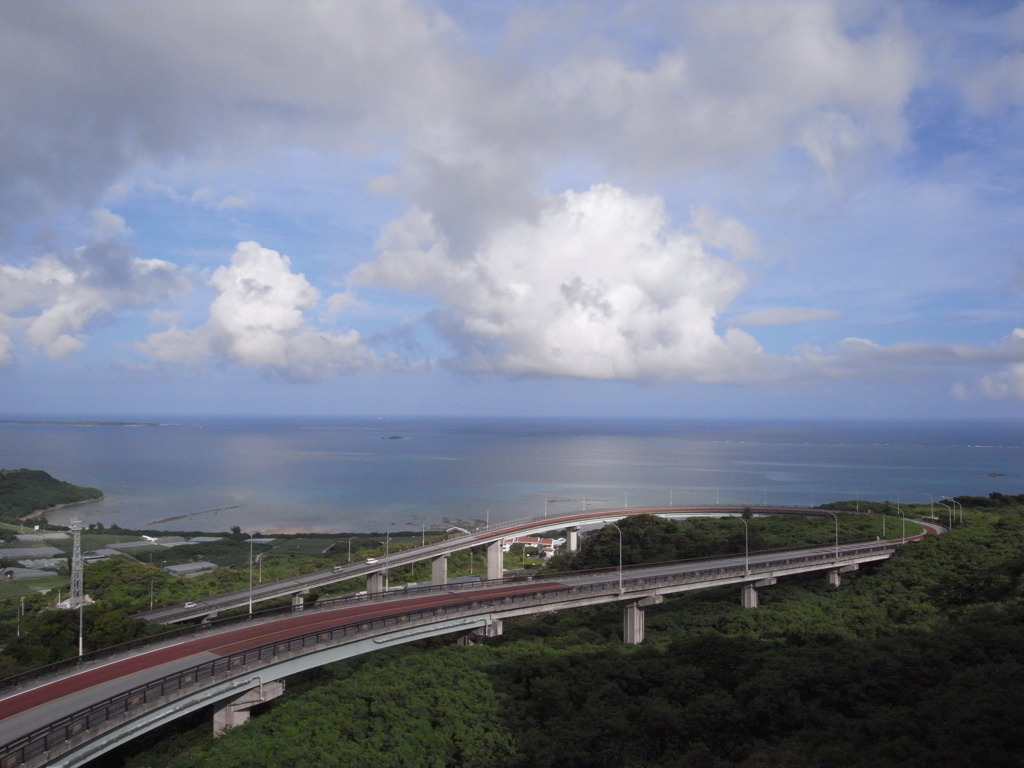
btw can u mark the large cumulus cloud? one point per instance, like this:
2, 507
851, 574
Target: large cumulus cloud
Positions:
597, 286
259, 319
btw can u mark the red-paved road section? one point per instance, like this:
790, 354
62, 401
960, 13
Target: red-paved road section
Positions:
251, 636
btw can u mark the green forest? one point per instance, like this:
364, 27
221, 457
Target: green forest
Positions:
914, 662
24, 491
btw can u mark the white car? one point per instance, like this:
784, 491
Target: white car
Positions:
190, 604
371, 561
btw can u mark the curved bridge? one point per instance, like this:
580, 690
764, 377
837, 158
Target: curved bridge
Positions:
73, 718
438, 552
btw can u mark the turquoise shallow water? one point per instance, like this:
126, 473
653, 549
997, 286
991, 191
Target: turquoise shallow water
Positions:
367, 474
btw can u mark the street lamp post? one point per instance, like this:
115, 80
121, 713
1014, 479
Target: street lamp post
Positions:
950, 510
620, 554
350, 549
387, 555
836, 517
898, 510
250, 573
931, 509
746, 545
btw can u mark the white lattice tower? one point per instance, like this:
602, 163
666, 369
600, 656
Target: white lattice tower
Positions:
77, 597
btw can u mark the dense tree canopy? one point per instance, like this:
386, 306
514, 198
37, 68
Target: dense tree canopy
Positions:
23, 491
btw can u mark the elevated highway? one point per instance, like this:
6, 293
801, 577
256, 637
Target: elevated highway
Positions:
72, 716
438, 552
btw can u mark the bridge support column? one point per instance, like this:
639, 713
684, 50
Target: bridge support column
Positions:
495, 561
572, 539
633, 619
375, 583
298, 601
236, 711
477, 636
439, 570
834, 577
748, 595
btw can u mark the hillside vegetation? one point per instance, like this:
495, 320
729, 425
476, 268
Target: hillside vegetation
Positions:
911, 663
24, 491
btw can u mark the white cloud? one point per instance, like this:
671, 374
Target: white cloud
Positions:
784, 316
597, 287
105, 88
992, 78
1004, 385
726, 232
54, 300
258, 319
728, 83
340, 302
734, 79
859, 358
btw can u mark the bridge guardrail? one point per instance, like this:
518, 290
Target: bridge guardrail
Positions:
60, 731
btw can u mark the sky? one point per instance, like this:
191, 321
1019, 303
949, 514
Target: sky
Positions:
746, 208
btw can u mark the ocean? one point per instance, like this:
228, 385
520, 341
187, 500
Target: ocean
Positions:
408, 473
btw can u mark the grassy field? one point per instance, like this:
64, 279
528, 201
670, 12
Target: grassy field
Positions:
15, 589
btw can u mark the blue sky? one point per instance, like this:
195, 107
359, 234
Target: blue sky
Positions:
792, 208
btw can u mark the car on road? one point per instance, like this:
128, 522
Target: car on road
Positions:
190, 604
371, 561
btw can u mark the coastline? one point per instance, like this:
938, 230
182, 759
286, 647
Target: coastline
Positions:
36, 514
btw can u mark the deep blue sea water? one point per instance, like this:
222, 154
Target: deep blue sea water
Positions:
348, 475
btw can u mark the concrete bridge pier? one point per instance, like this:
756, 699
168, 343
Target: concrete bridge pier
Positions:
236, 711
572, 539
375, 583
748, 595
299, 600
495, 561
439, 570
477, 636
834, 577
633, 619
